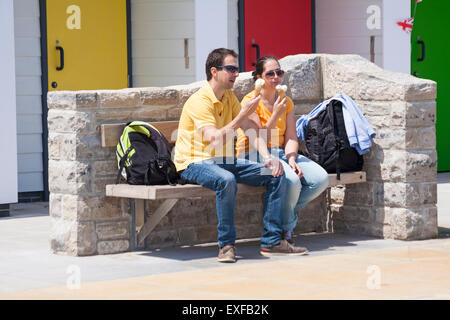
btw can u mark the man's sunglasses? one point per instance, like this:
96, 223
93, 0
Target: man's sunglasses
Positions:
231, 69
271, 74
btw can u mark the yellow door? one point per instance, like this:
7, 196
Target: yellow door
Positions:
87, 44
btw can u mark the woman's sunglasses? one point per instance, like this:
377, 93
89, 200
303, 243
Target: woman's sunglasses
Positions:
271, 74
231, 69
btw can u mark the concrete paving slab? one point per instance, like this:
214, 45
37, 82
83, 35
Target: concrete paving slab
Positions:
29, 258
364, 274
336, 267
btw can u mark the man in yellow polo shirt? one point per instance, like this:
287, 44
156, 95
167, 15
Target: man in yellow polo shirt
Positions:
204, 155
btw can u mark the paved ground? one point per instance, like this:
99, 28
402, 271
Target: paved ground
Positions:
338, 267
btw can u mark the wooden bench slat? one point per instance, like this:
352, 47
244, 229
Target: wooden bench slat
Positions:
193, 191
169, 192
346, 178
129, 191
112, 132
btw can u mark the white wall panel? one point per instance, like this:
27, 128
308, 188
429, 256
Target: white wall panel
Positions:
233, 27
29, 105
29, 143
151, 10
26, 27
28, 181
28, 85
30, 162
163, 81
27, 46
29, 91
29, 124
26, 9
163, 67
159, 28
8, 162
28, 66
159, 48
163, 30
396, 42
215, 27
158, 31
341, 27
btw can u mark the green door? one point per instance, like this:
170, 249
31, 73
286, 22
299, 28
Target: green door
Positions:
430, 59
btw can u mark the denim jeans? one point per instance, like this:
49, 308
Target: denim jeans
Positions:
299, 192
222, 175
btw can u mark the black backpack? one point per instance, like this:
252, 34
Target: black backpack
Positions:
144, 156
327, 141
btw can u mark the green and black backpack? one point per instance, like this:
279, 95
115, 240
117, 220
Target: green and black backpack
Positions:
144, 156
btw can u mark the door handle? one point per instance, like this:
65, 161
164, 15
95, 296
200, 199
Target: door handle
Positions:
420, 42
258, 51
61, 58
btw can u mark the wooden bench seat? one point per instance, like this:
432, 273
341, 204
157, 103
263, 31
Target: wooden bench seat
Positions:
140, 228
192, 190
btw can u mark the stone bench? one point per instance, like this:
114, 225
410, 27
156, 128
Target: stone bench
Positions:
397, 200
139, 227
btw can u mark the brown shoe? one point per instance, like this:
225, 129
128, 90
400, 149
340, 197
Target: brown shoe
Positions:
284, 248
227, 254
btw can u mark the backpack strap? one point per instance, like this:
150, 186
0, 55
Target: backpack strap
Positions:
123, 159
153, 132
168, 168
332, 116
151, 164
172, 173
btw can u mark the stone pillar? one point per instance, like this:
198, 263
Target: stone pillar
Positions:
399, 198
84, 221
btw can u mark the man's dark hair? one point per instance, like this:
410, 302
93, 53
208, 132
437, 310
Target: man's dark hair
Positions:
215, 59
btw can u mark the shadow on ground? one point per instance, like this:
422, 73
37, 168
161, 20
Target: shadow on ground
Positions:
317, 243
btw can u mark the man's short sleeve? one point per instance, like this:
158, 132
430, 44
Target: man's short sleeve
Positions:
236, 106
201, 111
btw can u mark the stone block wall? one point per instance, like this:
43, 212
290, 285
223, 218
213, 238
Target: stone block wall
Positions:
397, 201
399, 198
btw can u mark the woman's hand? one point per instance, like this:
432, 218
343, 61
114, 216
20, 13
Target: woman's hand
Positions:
295, 167
280, 106
275, 165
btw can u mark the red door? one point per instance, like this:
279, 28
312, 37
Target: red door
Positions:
278, 28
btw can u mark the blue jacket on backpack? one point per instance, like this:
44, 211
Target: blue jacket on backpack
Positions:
358, 130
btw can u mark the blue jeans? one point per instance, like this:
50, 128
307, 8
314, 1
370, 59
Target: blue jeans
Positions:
222, 175
299, 192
